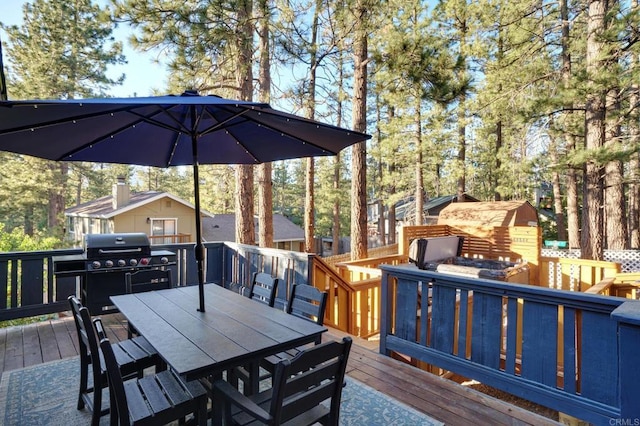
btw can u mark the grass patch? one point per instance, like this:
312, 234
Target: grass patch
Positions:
28, 320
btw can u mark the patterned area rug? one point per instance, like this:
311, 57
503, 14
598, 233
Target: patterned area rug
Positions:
46, 395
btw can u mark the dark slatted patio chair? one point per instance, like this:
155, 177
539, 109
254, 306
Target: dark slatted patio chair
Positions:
146, 280
299, 387
305, 302
132, 355
263, 288
155, 399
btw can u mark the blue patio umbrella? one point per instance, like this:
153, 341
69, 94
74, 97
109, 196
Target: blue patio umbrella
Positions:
166, 131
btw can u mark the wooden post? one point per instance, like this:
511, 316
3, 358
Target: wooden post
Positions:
628, 317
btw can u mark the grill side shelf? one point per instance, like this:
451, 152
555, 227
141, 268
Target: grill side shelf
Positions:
69, 265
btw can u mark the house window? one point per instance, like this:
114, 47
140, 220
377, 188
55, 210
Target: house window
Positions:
163, 227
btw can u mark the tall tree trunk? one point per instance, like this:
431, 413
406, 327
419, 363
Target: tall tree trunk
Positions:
337, 165
57, 191
391, 190
496, 174
634, 174
557, 193
265, 180
3, 82
245, 227
573, 217
614, 203
28, 220
359, 150
462, 148
496, 194
634, 198
309, 206
634, 161
462, 117
335, 231
380, 175
592, 217
309, 203
419, 194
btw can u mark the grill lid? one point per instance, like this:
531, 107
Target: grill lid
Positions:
105, 245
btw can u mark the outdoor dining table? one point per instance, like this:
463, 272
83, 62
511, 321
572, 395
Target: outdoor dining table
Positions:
233, 331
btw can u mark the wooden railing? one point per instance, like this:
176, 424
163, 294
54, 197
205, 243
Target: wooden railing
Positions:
574, 274
31, 288
388, 250
586, 368
353, 307
170, 239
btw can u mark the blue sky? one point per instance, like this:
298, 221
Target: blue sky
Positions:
142, 74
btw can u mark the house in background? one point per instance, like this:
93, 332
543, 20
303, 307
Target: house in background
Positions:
164, 217
222, 227
406, 209
405, 214
490, 213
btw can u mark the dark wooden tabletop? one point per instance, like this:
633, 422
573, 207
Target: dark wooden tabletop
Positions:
232, 331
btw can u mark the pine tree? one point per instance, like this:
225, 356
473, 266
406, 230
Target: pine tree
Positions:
53, 61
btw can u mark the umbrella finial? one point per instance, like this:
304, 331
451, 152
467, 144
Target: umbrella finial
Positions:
192, 92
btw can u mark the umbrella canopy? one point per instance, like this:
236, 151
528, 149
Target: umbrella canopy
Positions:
166, 131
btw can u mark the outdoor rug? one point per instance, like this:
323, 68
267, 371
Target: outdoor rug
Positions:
46, 394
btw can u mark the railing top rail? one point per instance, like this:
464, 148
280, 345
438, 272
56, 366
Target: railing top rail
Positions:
270, 251
544, 295
38, 254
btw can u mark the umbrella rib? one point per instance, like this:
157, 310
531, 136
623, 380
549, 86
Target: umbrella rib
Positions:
46, 124
179, 126
283, 133
222, 123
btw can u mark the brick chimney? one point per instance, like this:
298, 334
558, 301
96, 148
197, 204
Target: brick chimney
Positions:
120, 193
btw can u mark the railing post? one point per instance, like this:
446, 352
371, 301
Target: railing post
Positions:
385, 312
628, 317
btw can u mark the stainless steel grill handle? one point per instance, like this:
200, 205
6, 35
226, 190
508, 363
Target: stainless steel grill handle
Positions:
121, 251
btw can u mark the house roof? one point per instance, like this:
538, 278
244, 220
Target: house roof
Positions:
222, 227
431, 204
103, 207
491, 213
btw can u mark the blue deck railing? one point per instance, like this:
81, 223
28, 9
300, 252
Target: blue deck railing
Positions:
573, 352
31, 288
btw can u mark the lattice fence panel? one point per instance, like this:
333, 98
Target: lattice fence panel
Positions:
629, 260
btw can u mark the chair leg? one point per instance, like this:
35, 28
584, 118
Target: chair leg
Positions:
84, 378
201, 415
97, 404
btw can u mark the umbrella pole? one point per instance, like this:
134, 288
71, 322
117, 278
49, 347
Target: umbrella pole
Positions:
196, 193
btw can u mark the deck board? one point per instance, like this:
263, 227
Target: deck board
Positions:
437, 397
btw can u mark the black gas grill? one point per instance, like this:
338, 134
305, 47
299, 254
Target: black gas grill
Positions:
104, 263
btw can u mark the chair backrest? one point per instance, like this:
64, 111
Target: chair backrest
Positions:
86, 335
308, 302
147, 280
116, 385
311, 377
263, 288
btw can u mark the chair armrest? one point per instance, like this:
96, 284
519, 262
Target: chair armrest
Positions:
222, 388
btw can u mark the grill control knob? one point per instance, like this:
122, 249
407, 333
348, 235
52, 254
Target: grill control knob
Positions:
133, 262
109, 263
164, 260
96, 264
145, 261
121, 263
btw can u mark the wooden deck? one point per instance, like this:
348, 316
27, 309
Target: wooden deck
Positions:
441, 399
